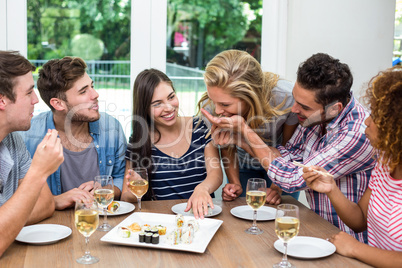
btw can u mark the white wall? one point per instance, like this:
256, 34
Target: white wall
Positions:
13, 24
359, 33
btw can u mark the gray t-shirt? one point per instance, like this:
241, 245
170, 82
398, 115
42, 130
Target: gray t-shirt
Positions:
272, 131
15, 161
78, 167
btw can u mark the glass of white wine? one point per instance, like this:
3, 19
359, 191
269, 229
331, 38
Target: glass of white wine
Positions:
86, 221
138, 183
256, 194
104, 195
287, 226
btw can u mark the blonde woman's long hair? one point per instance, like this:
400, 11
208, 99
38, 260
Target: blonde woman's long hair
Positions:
240, 75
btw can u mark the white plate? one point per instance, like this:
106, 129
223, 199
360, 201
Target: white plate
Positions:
124, 208
203, 236
179, 209
264, 213
306, 247
43, 234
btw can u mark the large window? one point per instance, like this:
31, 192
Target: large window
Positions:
98, 32
198, 30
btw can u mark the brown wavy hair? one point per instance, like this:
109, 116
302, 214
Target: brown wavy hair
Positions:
384, 98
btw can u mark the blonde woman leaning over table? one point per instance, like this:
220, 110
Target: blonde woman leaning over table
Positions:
380, 208
236, 85
182, 163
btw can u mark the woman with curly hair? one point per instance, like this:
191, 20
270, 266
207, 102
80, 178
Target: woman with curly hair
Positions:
380, 208
237, 85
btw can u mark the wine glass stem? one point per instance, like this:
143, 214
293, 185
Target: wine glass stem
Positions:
255, 219
285, 255
139, 203
87, 253
104, 216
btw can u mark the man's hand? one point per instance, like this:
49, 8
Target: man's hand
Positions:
68, 199
48, 155
231, 191
274, 195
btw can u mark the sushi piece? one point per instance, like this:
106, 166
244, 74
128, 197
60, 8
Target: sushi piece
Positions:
124, 232
148, 238
141, 237
113, 207
195, 224
173, 237
188, 235
154, 230
135, 227
161, 229
179, 220
155, 239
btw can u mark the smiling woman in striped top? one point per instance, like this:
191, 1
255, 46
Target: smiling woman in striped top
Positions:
380, 208
182, 162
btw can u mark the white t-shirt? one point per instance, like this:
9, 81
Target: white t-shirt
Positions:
384, 216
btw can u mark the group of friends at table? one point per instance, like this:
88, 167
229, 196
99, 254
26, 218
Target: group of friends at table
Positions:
251, 122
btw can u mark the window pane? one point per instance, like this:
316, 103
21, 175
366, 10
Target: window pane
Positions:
95, 30
198, 30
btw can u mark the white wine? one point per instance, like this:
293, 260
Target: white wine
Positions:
138, 187
287, 227
86, 221
104, 197
255, 199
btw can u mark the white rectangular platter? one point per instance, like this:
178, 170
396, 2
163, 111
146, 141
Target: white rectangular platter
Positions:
203, 236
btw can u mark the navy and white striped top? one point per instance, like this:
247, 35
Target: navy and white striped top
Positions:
176, 178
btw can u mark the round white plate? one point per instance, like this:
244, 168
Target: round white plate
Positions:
179, 209
306, 247
264, 213
124, 208
43, 234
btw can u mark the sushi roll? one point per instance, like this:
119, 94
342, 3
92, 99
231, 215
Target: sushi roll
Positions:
141, 237
148, 238
155, 239
188, 235
179, 220
195, 224
113, 207
154, 230
124, 232
161, 229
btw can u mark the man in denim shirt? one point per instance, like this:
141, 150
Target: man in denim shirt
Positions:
93, 142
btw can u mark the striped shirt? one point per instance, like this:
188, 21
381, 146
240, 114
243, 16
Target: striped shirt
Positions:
384, 216
15, 161
176, 178
344, 151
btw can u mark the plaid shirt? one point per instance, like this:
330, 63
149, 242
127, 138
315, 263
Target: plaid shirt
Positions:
344, 151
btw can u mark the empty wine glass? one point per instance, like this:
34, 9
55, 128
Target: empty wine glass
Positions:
104, 195
287, 225
256, 194
138, 183
86, 222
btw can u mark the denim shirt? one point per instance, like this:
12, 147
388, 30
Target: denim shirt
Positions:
108, 139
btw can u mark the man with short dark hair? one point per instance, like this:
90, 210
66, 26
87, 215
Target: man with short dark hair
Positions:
330, 135
25, 198
93, 142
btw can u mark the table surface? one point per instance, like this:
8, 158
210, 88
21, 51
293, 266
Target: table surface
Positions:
230, 247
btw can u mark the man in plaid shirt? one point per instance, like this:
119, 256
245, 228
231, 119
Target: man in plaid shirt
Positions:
330, 135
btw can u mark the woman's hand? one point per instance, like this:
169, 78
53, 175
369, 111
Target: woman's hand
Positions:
274, 195
345, 244
199, 201
322, 182
231, 191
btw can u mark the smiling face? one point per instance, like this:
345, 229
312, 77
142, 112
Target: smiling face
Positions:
225, 104
20, 112
82, 101
164, 106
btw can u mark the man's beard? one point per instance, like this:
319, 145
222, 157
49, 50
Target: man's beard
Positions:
76, 117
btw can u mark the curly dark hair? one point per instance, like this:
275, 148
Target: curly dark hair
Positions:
330, 79
384, 97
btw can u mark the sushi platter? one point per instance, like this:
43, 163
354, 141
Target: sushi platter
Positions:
206, 230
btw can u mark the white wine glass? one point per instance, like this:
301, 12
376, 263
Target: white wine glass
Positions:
287, 226
256, 194
104, 195
138, 183
86, 222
